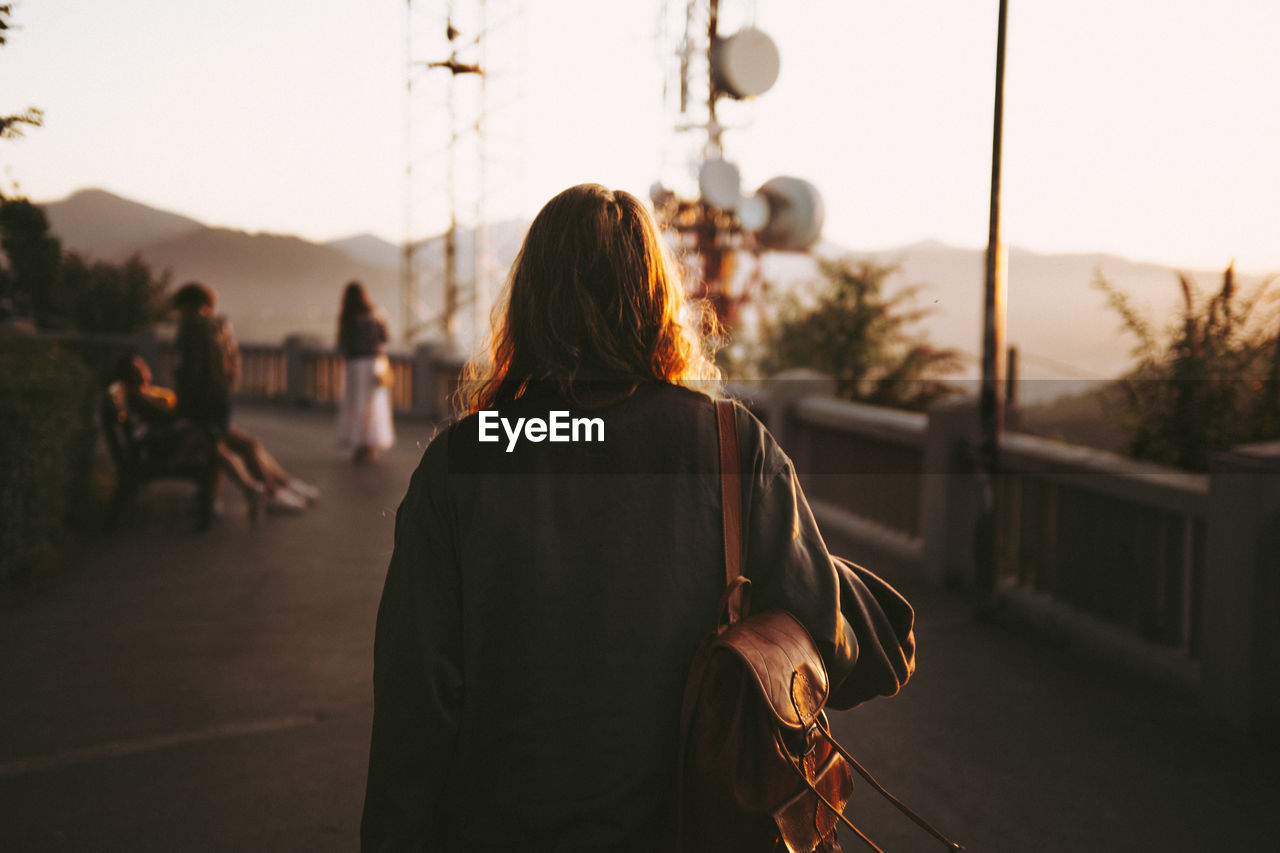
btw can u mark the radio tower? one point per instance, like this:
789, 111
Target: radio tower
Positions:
724, 221
446, 76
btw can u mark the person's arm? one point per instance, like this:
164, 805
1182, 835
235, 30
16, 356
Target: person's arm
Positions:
230, 352
417, 674
154, 405
861, 625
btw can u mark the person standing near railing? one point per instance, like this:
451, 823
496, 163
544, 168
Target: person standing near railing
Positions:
364, 406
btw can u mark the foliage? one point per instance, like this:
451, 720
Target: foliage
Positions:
1080, 418
64, 291
113, 298
1211, 382
34, 257
45, 448
851, 330
11, 125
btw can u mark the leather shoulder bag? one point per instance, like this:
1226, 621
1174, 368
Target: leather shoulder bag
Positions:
759, 769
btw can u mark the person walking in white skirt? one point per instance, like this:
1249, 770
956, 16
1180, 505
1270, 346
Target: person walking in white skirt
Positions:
364, 407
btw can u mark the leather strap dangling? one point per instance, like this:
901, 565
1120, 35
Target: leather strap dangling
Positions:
731, 510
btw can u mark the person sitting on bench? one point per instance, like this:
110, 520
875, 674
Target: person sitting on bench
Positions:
260, 476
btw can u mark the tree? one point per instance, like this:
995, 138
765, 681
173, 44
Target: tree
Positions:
61, 290
1212, 381
847, 327
30, 277
114, 298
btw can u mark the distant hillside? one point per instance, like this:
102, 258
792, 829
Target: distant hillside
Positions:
1090, 418
1066, 335
504, 239
99, 224
273, 285
270, 285
369, 249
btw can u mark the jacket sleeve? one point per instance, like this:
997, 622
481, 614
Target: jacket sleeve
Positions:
417, 675
861, 625
882, 622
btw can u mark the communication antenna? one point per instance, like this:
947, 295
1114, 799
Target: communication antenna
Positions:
723, 221
454, 38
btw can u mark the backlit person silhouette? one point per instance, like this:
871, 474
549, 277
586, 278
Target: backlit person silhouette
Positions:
208, 368
364, 409
545, 598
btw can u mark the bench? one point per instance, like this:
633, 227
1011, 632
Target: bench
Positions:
143, 453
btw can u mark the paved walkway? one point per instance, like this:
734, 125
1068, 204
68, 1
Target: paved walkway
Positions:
175, 692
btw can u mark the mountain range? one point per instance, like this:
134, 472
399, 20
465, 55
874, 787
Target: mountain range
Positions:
274, 285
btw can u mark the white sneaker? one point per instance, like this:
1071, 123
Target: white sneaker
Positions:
303, 489
283, 500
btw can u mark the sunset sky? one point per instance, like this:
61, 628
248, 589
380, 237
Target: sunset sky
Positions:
1148, 130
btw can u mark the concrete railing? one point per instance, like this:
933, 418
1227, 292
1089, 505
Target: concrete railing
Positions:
863, 468
1173, 573
297, 372
303, 374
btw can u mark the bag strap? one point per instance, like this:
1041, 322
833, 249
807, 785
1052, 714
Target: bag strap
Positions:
730, 490
736, 598
824, 729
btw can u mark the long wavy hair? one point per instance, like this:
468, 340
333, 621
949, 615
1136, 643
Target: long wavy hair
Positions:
355, 304
591, 288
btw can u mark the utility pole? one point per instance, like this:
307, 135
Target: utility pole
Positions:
408, 282
991, 415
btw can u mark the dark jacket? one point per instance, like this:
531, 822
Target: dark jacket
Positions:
541, 610
362, 336
207, 371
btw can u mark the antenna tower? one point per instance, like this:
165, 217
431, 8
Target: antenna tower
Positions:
724, 221
448, 159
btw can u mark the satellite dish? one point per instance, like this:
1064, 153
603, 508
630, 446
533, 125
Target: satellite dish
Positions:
659, 194
745, 64
719, 184
796, 214
753, 212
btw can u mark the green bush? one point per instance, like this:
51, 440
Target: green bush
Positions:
847, 327
46, 448
1210, 382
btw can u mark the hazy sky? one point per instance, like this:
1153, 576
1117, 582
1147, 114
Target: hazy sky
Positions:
1147, 129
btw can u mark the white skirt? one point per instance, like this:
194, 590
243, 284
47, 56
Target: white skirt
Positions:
364, 408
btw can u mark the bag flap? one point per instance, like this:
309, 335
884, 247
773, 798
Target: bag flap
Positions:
804, 821
786, 665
